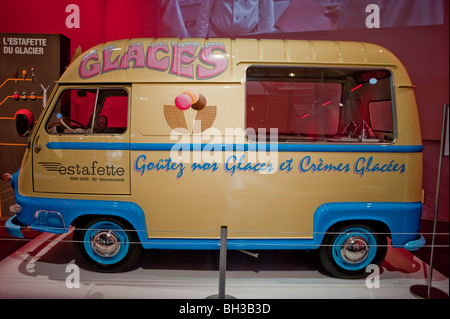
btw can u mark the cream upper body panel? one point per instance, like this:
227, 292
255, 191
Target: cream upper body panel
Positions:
225, 61
216, 60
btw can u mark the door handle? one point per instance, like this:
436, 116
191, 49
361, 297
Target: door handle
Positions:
37, 146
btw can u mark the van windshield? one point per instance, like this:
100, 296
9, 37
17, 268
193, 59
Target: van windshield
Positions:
320, 104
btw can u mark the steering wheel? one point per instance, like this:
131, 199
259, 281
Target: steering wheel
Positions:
77, 123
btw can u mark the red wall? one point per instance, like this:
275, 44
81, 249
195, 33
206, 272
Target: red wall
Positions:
28, 16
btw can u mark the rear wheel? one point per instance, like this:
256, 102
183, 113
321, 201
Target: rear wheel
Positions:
107, 244
348, 250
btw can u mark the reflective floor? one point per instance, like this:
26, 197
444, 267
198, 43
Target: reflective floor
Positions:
46, 268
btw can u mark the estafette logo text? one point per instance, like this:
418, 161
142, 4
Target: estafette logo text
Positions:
84, 170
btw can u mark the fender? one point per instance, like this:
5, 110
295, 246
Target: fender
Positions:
62, 212
402, 219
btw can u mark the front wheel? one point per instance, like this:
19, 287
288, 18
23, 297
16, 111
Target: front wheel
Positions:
107, 245
347, 251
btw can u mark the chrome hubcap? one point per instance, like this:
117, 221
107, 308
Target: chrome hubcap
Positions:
106, 243
355, 249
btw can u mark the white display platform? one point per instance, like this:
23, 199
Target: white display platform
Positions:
41, 268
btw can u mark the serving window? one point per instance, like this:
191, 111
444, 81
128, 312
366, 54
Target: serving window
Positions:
320, 104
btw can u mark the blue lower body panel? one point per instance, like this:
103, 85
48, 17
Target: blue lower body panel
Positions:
415, 244
13, 228
57, 214
232, 244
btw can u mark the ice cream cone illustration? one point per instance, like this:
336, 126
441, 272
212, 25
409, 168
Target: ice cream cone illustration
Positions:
175, 118
204, 119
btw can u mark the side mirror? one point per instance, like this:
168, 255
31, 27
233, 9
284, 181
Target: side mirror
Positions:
24, 122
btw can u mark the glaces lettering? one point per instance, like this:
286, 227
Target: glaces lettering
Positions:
232, 165
187, 59
363, 165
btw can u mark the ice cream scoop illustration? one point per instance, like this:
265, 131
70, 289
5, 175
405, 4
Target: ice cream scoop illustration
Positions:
183, 102
190, 98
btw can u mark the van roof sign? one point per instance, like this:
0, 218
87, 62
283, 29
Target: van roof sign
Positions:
185, 59
215, 60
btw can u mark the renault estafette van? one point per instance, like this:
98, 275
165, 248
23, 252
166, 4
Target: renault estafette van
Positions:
157, 143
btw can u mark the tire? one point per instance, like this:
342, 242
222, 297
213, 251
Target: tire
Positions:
348, 250
107, 244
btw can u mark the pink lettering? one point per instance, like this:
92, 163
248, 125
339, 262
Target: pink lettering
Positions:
107, 64
183, 55
188, 59
217, 62
152, 60
86, 71
134, 53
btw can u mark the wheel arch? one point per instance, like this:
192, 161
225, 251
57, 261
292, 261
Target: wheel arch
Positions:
82, 220
377, 225
127, 212
400, 221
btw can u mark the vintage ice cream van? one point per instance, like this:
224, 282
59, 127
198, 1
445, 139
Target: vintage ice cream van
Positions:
157, 143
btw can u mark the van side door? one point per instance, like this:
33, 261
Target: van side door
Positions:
82, 143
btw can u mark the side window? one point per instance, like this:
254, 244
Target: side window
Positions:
380, 113
90, 111
320, 104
